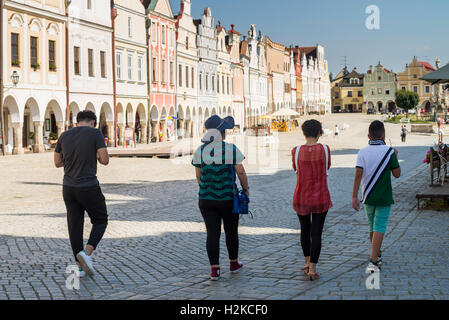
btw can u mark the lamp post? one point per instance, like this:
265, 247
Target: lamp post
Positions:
15, 77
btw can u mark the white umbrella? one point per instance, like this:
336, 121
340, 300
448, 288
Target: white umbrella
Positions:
286, 113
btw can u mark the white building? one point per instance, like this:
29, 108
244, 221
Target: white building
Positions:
316, 96
258, 77
187, 88
131, 68
34, 84
207, 67
292, 80
90, 62
224, 80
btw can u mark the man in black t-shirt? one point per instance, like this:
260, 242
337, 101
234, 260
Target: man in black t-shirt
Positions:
77, 151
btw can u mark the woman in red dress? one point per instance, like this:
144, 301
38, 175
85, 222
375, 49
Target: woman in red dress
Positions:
311, 200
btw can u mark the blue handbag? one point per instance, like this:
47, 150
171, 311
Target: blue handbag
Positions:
241, 199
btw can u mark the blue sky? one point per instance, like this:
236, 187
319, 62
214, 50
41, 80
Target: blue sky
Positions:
407, 27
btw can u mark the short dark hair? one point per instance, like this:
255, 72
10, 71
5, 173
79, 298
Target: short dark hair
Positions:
86, 116
376, 129
312, 128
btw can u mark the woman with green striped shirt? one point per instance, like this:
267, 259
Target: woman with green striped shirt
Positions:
213, 162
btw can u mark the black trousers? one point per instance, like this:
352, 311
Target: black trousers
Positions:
91, 200
213, 213
311, 230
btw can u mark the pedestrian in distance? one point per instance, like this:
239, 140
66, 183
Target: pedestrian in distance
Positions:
440, 133
403, 133
216, 163
375, 165
78, 151
336, 131
311, 200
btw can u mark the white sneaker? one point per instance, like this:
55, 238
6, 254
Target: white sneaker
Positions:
86, 263
371, 268
80, 273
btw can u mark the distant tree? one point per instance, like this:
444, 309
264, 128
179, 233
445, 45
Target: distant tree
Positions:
407, 100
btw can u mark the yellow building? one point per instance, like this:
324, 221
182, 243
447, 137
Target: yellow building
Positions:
34, 88
409, 80
347, 91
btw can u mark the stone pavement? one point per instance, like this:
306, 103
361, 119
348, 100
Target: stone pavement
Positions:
154, 247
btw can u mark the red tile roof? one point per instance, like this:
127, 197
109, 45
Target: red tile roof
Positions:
426, 66
234, 31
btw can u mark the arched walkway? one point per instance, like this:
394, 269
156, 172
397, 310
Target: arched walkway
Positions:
74, 109
12, 126
32, 137
106, 122
141, 124
155, 125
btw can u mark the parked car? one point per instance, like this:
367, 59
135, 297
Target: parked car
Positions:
370, 111
412, 111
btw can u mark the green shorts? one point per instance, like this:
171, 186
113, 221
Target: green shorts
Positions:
377, 217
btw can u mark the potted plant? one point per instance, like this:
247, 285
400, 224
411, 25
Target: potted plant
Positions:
52, 67
36, 66
15, 63
31, 137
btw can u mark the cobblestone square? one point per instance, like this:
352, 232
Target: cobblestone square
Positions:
154, 247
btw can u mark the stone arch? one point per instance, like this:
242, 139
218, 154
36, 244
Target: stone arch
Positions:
120, 114
11, 124
154, 113
391, 106
73, 112
33, 106
106, 122
229, 112
90, 106
141, 124
164, 114
54, 120
214, 111
16, 20
35, 25
129, 115
379, 106
53, 29
154, 123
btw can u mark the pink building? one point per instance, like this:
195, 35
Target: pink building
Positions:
162, 64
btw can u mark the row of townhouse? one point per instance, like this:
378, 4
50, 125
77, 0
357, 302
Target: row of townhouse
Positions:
375, 90
142, 69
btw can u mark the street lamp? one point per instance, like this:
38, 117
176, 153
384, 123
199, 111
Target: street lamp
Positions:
15, 77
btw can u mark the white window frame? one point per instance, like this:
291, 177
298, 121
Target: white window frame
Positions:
140, 68
130, 66
118, 62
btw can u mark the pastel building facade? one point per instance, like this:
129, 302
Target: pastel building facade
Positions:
276, 74
257, 77
409, 80
207, 67
90, 63
316, 90
162, 62
34, 88
379, 89
187, 84
131, 69
224, 78
237, 77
